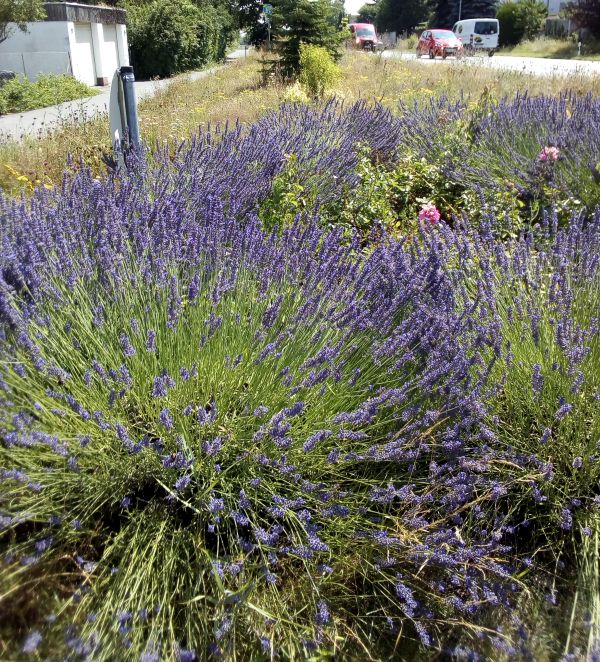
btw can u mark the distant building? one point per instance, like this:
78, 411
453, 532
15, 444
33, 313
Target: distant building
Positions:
86, 41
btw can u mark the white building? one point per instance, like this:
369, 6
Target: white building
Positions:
86, 41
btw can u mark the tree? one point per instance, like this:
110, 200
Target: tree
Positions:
586, 14
446, 12
20, 12
368, 13
298, 22
520, 20
401, 15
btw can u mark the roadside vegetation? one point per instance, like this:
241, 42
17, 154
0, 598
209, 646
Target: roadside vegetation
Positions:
315, 376
237, 93
325, 385
20, 94
564, 49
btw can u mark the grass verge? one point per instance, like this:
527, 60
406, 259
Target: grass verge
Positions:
562, 49
20, 94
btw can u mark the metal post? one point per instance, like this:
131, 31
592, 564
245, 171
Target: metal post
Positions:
133, 126
459, 9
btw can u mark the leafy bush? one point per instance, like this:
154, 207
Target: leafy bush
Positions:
295, 94
20, 94
164, 39
412, 41
318, 71
520, 20
297, 22
168, 37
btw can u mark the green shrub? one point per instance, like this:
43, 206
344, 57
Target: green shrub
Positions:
520, 20
297, 22
318, 71
171, 36
20, 94
164, 38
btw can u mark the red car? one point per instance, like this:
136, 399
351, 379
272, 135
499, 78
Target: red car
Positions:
439, 42
365, 37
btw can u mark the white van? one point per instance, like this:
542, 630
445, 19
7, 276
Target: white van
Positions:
478, 34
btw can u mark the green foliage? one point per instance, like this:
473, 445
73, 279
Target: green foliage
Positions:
511, 32
20, 94
371, 204
297, 22
318, 70
288, 198
170, 36
368, 12
20, 12
520, 20
532, 14
401, 15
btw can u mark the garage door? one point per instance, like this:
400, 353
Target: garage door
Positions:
82, 55
110, 53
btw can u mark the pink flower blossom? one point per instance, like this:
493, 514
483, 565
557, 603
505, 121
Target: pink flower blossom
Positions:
549, 154
429, 212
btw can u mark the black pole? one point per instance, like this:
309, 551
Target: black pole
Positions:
133, 126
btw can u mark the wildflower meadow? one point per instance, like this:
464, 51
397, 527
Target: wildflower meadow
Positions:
327, 387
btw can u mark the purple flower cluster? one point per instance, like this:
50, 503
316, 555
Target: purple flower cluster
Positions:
291, 422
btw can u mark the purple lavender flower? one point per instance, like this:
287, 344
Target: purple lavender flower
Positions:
537, 379
32, 642
151, 341
323, 614
182, 482
159, 389
126, 346
563, 411
166, 419
186, 655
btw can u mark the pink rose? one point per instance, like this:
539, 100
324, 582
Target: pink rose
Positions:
430, 213
549, 154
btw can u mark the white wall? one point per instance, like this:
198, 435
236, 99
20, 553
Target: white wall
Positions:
89, 51
44, 48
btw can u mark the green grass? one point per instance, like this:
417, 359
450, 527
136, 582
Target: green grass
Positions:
562, 49
20, 94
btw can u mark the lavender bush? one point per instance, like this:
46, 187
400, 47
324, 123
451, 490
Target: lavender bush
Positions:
223, 440
501, 148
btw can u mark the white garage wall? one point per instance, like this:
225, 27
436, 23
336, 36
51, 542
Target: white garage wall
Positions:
82, 52
110, 50
91, 52
44, 48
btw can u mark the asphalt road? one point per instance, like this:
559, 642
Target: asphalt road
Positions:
36, 123
529, 65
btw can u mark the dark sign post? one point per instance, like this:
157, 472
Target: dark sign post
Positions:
123, 115
133, 125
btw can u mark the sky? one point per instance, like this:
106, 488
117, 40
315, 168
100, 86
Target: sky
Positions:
352, 6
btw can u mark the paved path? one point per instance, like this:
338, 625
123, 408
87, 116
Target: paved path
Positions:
530, 65
37, 122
